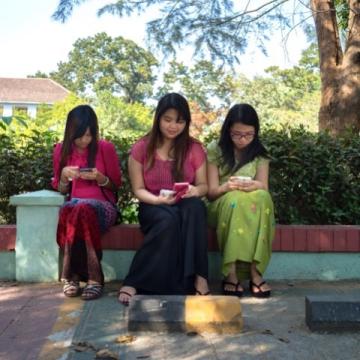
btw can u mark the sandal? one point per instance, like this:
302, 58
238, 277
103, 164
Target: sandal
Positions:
92, 291
71, 288
125, 302
260, 293
235, 292
197, 292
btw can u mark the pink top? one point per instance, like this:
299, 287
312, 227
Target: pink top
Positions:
159, 176
106, 161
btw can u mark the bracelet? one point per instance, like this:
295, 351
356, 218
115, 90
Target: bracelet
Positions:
64, 184
107, 180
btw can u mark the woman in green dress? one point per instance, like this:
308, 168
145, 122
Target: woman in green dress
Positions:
240, 205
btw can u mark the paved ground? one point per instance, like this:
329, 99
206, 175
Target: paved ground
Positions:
37, 322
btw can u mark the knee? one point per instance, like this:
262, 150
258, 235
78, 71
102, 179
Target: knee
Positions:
194, 204
263, 194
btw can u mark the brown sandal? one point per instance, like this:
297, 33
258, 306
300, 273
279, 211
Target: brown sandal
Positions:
71, 288
92, 291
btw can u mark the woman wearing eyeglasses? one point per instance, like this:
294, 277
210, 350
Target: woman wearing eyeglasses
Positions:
240, 206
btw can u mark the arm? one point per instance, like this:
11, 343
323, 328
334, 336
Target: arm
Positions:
138, 186
216, 190
68, 172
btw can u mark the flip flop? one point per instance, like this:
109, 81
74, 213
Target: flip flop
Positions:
125, 303
197, 292
235, 292
260, 293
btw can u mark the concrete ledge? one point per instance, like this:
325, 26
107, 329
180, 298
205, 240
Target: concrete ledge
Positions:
332, 313
174, 313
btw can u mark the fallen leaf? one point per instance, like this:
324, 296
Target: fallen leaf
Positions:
82, 346
267, 332
284, 340
106, 354
125, 339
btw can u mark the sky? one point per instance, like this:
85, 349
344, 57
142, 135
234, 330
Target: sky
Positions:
31, 41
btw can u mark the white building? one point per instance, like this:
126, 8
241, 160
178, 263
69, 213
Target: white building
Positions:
28, 94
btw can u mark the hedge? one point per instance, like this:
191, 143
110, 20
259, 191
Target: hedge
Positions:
314, 178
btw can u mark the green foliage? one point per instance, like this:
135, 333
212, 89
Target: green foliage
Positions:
101, 63
314, 178
204, 83
286, 97
118, 117
25, 165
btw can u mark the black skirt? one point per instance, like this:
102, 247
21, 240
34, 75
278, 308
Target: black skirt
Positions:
174, 250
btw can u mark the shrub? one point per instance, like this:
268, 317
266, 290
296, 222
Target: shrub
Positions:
314, 178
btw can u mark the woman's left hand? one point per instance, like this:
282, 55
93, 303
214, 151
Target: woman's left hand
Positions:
192, 191
250, 185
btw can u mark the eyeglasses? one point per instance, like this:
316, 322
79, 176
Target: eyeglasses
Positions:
240, 135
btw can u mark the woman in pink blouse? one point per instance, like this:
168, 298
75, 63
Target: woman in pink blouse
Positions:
173, 257
87, 169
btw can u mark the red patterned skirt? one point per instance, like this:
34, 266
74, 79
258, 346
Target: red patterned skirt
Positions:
81, 224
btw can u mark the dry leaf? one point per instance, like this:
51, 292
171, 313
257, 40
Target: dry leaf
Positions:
284, 340
267, 332
82, 346
125, 339
106, 354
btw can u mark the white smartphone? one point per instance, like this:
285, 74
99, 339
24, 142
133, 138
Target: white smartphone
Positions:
167, 193
243, 178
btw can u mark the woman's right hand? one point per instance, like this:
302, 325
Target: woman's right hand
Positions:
69, 173
228, 186
168, 200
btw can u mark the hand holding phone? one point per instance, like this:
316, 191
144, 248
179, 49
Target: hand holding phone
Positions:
85, 169
167, 193
180, 189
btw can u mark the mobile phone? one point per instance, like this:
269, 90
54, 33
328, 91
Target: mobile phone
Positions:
243, 178
167, 193
180, 188
85, 169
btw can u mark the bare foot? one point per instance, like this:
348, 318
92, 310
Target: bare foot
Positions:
231, 283
257, 279
201, 286
125, 294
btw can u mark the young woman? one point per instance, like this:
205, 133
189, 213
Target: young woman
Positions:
241, 207
173, 257
88, 170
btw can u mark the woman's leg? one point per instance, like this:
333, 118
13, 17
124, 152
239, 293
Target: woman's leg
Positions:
156, 267
231, 282
257, 283
194, 235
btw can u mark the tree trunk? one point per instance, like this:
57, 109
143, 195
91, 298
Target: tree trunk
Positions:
340, 70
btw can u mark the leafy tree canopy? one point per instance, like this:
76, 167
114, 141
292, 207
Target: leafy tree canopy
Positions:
203, 83
219, 28
100, 63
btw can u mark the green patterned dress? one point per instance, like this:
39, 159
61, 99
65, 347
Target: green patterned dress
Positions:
244, 221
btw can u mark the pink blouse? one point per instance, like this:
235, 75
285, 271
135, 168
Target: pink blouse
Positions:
159, 176
106, 161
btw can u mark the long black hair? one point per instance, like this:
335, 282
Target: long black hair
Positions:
181, 142
244, 114
78, 120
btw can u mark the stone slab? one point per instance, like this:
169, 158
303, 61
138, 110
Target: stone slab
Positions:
332, 313
174, 313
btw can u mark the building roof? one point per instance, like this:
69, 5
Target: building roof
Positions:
31, 90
